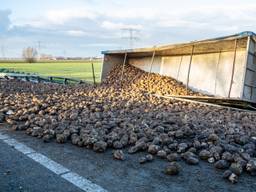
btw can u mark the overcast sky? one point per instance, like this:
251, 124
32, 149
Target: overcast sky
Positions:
86, 27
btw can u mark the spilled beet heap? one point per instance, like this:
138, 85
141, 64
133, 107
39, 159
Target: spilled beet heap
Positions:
127, 118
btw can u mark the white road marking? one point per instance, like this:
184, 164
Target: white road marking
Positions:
19, 146
48, 163
3, 136
72, 177
81, 182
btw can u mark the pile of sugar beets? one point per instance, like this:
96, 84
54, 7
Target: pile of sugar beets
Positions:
126, 115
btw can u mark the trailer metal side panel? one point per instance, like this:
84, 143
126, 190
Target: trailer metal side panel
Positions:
143, 63
240, 66
249, 90
204, 75
224, 67
109, 62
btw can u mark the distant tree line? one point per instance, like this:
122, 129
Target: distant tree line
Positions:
29, 54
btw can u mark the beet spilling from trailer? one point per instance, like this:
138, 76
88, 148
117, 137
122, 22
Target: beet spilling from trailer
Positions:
223, 67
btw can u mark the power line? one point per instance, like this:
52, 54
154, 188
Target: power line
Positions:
39, 45
132, 35
39, 49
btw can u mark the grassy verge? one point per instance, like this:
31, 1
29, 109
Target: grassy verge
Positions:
71, 69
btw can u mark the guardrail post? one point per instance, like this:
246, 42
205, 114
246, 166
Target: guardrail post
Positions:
65, 81
93, 74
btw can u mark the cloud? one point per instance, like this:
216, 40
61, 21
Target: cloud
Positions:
132, 13
100, 45
225, 19
57, 17
180, 23
5, 22
96, 24
77, 33
118, 26
62, 16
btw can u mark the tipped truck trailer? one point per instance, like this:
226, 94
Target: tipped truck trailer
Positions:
223, 67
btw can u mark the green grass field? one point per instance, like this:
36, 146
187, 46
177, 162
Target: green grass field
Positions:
72, 69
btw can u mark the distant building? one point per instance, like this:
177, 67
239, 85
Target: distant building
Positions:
47, 57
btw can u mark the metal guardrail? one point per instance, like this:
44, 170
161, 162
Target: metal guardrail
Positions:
51, 79
38, 79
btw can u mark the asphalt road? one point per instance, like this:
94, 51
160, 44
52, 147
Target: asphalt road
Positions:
20, 173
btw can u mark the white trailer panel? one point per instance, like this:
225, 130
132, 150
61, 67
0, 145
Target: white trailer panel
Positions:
224, 67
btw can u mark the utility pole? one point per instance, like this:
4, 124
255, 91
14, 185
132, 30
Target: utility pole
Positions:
64, 54
39, 45
39, 50
131, 35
